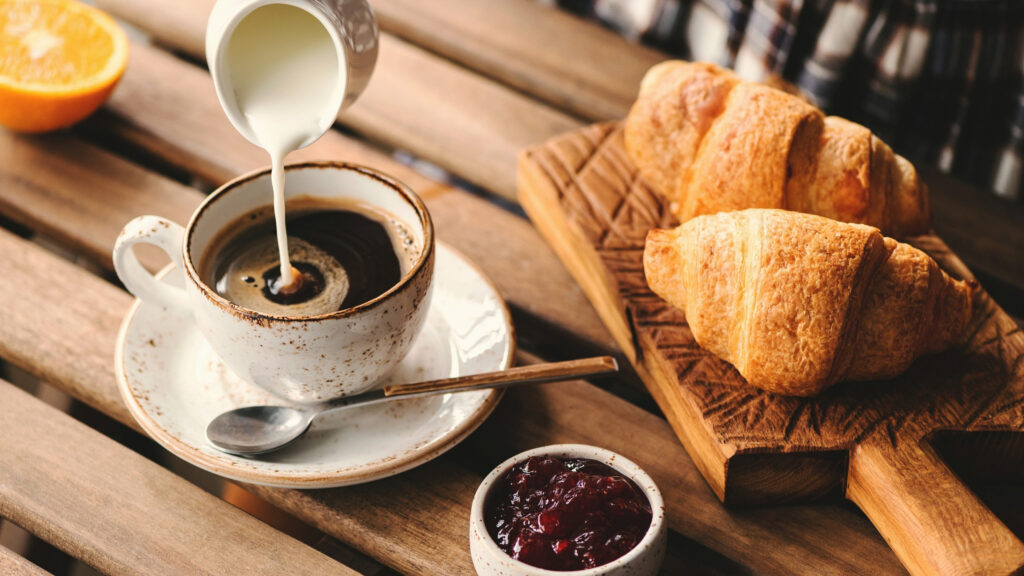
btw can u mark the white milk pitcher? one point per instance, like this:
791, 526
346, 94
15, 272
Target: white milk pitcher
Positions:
283, 69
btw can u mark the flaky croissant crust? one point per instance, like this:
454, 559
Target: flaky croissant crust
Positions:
798, 302
709, 142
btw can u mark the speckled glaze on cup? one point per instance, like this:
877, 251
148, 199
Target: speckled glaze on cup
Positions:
643, 560
303, 359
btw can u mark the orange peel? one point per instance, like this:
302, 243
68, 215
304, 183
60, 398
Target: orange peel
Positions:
59, 61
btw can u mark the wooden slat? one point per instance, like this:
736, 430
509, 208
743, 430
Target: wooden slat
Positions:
148, 107
454, 118
49, 182
575, 66
122, 514
12, 564
79, 350
61, 322
985, 231
416, 101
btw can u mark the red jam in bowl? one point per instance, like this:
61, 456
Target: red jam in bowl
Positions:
570, 514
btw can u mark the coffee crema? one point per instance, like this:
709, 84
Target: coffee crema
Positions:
344, 253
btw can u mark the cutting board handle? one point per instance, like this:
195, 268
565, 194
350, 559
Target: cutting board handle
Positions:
933, 522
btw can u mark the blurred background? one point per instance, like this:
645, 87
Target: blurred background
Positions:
938, 80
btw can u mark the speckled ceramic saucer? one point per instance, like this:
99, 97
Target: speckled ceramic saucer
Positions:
174, 384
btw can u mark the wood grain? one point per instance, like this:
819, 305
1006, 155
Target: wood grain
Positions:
587, 70
452, 117
981, 228
60, 322
74, 192
416, 101
912, 496
121, 513
586, 197
12, 564
68, 342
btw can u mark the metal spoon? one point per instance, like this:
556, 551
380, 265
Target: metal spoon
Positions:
257, 430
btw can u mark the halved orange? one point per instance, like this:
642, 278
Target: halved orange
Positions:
59, 61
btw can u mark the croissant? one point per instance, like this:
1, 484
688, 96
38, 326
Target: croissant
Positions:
709, 142
798, 302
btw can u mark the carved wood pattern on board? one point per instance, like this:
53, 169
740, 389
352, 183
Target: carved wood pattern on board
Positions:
980, 385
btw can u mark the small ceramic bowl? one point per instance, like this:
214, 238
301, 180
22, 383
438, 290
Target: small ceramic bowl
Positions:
643, 560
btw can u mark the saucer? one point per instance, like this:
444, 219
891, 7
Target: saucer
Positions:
174, 384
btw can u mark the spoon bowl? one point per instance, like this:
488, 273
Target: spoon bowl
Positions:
255, 430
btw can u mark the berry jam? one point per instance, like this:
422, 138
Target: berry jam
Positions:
569, 514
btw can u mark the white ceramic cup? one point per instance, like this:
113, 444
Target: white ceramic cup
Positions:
351, 26
304, 359
643, 560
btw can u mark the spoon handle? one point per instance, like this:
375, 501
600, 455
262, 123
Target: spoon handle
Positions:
532, 374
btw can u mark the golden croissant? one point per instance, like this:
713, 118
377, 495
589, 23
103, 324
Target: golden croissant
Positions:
798, 302
710, 142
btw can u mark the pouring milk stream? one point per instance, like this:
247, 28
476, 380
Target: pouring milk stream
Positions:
282, 73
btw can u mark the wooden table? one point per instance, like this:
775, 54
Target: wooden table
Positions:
463, 85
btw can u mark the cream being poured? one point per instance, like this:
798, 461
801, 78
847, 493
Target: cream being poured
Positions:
287, 82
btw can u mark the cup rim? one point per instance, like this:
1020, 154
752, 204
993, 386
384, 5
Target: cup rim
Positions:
402, 189
616, 461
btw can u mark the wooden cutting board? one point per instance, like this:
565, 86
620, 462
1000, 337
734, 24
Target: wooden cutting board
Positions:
871, 442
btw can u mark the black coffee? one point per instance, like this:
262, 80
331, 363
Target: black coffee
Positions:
346, 256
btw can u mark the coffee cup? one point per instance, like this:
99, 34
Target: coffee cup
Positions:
302, 358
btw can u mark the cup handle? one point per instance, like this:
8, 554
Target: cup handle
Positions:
167, 236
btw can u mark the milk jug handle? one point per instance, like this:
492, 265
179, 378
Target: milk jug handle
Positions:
167, 236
